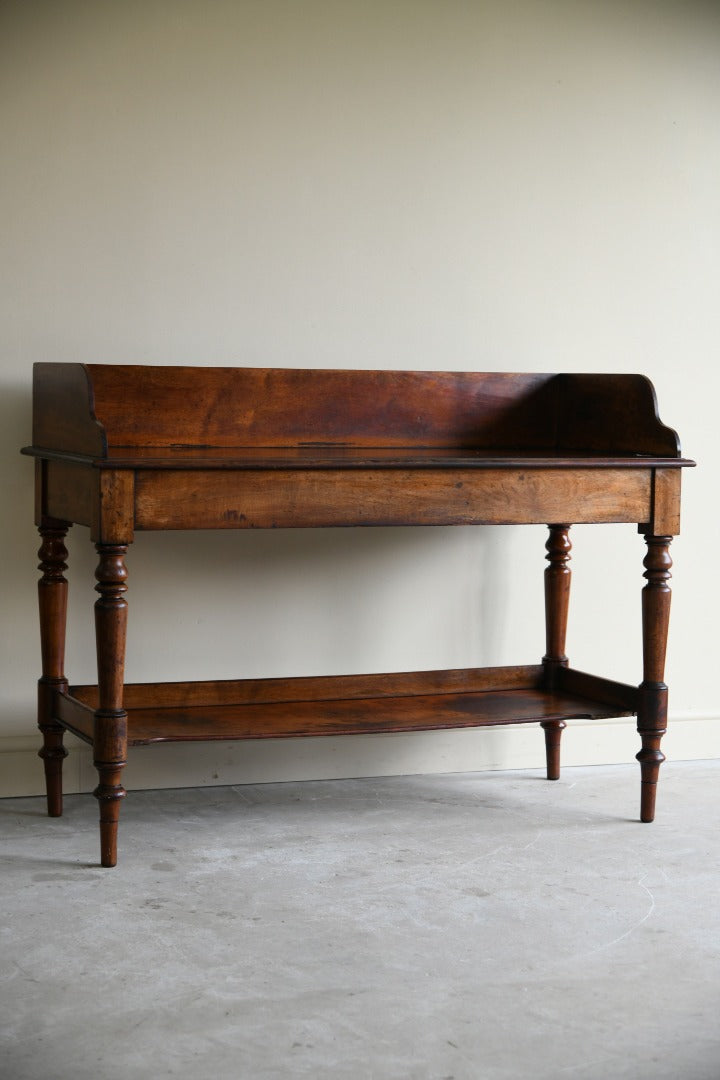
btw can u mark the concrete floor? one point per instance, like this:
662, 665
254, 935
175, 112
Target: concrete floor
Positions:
475, 927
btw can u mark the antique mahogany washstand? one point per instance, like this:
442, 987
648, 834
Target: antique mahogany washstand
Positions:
122, 449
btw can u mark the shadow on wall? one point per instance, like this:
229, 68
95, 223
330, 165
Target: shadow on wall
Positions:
245, 604
18, 627
15, 431
18, 485
317, 601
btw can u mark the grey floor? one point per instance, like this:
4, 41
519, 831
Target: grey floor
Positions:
475, 927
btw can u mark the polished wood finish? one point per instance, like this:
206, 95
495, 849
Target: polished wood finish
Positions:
110, 717
553, 732
403, 684
125, 449
557, 602
652, 713
52, 598
91, 409
318, 498
357, 705
557, 597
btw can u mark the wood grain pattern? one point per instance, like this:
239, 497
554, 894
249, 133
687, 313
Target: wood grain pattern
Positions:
125, 448
320, 687
87, 409
162, 406
260, 500
71, 490
665, 519
362, 717
114, 511
302, 707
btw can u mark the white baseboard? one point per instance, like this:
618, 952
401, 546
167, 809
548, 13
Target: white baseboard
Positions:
172, 765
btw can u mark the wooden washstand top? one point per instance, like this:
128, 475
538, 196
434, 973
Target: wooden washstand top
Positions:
145, 417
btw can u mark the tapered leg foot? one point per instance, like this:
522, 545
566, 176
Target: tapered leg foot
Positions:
53, 754
651, 758
652, 708
553, 734
109, 794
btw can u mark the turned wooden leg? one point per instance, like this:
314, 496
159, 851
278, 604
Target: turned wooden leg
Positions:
652, 709
557, 600
52, 597
110, 731
553, 734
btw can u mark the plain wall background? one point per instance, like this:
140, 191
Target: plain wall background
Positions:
525, 185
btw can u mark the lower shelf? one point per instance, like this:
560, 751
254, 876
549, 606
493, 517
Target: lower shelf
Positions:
349, 705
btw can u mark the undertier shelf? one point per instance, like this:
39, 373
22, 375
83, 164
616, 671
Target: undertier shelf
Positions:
344, 705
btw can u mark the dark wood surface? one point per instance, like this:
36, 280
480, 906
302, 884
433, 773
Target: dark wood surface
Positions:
360, 716
557, 602
652, 711
109, 739
300, 458
95, 408
52, 601
400, 684
122, 449
365, 704
351, 704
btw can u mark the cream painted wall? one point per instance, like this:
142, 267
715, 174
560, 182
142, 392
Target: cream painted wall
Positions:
525, 185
